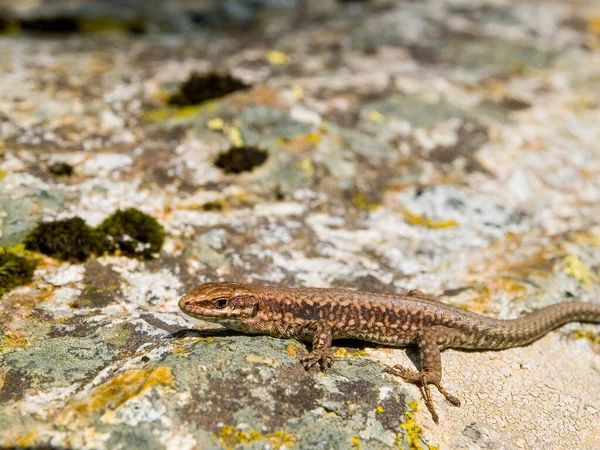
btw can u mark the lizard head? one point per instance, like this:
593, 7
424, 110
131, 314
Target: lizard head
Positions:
228, 304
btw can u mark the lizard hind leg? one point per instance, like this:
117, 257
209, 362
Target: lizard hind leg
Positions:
431, 369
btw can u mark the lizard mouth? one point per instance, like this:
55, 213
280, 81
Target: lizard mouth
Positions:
186, 304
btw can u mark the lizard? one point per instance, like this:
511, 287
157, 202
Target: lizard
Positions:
317, 316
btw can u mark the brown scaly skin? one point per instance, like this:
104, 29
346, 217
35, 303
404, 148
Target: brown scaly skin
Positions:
319, 316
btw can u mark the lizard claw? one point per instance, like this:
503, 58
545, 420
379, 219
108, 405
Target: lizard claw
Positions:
321, 357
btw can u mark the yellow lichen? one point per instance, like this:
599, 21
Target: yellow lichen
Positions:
307, 167
291, 349
11, 340
298, 92
585, 238
278, 58
235, 136
340, 352
380, 409
592, 337
29, 440
356, 352
411, 437
230, 438
415, 219
355, 442
215, 124
578, 270
376, 116
361, 201
2, 174
115, 392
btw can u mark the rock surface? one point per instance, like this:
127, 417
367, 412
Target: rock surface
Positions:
447, 146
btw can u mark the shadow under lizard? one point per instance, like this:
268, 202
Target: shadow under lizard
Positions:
320, 315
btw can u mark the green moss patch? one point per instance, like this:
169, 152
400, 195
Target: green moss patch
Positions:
129, 232
199, 88
132, 233
14, 270
68, 239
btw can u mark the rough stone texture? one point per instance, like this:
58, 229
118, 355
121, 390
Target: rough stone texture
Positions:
449, 146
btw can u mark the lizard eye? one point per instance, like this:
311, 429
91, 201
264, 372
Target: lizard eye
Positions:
221, 303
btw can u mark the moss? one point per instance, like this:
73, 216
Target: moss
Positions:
241, 159
199, 88
60, 169
130, 232
14, 270
133, 233
68, 239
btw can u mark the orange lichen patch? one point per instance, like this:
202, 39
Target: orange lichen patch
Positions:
292, 349
13, 339
415, 219
29, 440
584, 238
513, 288
115, 392
594, 25
258, 96
230, 438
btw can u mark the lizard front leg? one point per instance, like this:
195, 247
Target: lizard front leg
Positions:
321, 345
431, 367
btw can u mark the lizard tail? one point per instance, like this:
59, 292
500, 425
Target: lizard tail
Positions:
531, 327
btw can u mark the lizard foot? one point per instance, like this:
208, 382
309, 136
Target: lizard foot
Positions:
321, 356
424, 380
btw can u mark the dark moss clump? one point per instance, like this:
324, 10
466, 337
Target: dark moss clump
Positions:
241, 159
54, 25
14, 270
199, 88
69, 239
133, 233
61, 169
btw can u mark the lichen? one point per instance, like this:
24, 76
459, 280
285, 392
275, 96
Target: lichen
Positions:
115, 392
15, 270
412, 435
69, 239
132, 233
230, 438
415, 219
592, 337
578, 270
